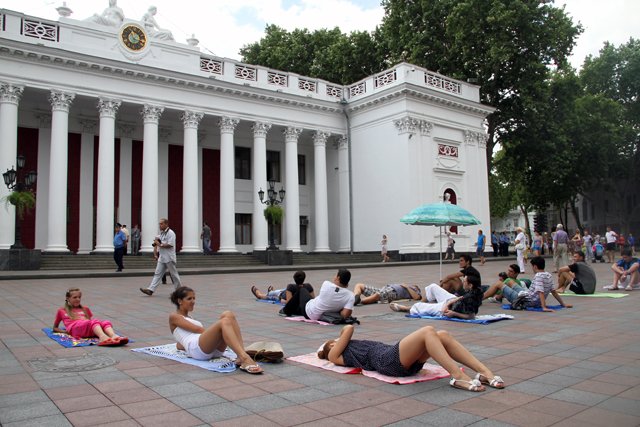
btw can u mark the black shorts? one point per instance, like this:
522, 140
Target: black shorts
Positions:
577, 287
611, 246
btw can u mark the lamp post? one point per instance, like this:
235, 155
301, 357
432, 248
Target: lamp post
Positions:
19, 182
272, 201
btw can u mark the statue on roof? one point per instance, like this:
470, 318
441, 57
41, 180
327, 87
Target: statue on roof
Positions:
112, 16
152, 26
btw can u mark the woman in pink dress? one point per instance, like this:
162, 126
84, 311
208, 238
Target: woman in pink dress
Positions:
79, 322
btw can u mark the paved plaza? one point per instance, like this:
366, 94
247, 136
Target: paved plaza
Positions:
574, 367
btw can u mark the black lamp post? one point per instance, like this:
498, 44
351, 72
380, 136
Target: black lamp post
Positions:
272, 200
19, 182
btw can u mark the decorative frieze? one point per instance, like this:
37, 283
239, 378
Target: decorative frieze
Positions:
425, 128
245, 73
39, 30
61, 101
191, 119
227, 124
277, 79
151, 113
10, 93
384, 79
447, 150
108, 107
212, 66
473, 138
407, 125
260, 129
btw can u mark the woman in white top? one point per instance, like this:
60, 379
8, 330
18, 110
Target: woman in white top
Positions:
521, 246
204, 344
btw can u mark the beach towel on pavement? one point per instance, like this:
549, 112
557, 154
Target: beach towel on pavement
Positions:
595, 295
552, 307
431, 372
269, 301
226, 363
483, 319
68, 341
304, 319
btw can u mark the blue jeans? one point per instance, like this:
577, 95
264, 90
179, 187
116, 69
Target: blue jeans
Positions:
511, 293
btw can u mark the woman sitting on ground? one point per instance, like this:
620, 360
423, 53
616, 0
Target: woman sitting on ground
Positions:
407, 357
80, 323
204, 344
438, 302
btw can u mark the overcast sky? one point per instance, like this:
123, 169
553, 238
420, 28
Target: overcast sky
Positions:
224, 26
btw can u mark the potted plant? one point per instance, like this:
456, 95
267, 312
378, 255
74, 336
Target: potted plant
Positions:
24, 201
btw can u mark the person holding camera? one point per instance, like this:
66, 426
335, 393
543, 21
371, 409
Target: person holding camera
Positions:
164, 251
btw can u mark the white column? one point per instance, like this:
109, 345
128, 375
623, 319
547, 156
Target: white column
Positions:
9, 98
292, 200
85, 236
190, 210
57, 218
321, 225
259, 225
149, 208
106, 172
42, 201
123, 216
343, 194
227, 185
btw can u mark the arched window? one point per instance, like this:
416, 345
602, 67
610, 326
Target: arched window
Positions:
450, 196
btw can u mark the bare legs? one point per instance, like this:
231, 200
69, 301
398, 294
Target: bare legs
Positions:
371, 299
225, 332
104, 334
564, 279
444, 349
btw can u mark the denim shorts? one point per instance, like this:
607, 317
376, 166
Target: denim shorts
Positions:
512, 293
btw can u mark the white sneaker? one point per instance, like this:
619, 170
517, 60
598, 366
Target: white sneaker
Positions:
492, 299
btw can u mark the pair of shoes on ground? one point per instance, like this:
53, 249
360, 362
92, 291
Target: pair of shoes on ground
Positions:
114, 342
146, 291
477, 384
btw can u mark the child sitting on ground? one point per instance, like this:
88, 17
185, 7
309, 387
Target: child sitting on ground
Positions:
438, 302
79, 323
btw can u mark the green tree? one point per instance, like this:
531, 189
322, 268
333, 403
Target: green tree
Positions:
506, 46
326, 54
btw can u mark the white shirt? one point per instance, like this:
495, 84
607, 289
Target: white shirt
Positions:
167, 237
331, 298
610, 236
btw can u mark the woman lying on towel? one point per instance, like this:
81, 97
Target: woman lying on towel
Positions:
204, 344
406, 357
79, 322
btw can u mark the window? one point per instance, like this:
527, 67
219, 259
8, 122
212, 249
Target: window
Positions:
302, 170
243, 162
277, 233
304, 226
243, 229
273, 166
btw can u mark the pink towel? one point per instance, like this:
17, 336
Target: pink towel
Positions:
304, 319
429, 372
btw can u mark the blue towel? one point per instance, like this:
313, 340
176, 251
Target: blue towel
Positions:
552, 307
484, 319
268, 301
68, 341
226, 363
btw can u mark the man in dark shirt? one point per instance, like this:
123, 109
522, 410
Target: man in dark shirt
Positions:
453, 282
579, 277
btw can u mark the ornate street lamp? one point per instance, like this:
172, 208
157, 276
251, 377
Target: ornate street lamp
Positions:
273, 212
22, 197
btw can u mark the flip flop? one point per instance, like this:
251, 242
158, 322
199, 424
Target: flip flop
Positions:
270, 288
254, 291
109, 342
251, 369
122, 340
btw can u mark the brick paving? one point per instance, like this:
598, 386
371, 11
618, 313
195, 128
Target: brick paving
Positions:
575, 367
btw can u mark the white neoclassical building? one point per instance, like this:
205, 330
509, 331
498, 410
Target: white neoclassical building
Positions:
122, 126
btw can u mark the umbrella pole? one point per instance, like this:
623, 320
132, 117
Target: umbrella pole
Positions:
440, 252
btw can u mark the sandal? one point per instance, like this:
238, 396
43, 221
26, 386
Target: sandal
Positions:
269, 288
109, 342
122, 340
495, 382
254, 291
474, 385
628, 288
251, 369
611, 287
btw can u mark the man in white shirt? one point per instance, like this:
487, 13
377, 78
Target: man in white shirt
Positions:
611, 237
164, 250
333, 297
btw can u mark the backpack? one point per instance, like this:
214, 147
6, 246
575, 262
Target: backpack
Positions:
336, 319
